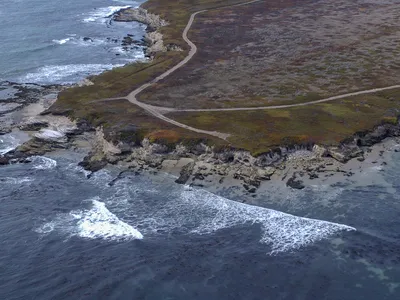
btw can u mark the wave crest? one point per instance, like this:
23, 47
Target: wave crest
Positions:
94, 223
103, 13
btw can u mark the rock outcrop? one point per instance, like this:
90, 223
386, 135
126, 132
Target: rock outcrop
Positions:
153, 38
140, 15
185, 173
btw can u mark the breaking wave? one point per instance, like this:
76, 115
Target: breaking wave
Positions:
184, 211
81, 41
62, 41
193, 211
94, 223
101, 14
8, 143
65, 74
283, 232
43, 163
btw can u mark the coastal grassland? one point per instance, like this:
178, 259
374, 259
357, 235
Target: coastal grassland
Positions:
121, 81
79, 102
177, 13
122, 121
326, 123
284, 52
115, 83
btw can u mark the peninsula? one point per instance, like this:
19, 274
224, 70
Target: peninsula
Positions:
259, 77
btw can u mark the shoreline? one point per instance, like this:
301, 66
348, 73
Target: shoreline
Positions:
196, 166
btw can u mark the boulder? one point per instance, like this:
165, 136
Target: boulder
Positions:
266, 173
33, 126
319, 151
295, 183
185, 173
3, 161
4, 130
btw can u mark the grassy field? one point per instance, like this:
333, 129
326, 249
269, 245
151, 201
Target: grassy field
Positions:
79, 102
280, 52
267, 53
325, 123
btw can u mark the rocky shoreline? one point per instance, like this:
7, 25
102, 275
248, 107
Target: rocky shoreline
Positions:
24, 107
153, 39
297, 166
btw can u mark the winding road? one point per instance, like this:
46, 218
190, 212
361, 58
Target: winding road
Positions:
159, 112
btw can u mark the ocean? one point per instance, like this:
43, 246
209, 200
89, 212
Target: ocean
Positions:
67, 235
63, 41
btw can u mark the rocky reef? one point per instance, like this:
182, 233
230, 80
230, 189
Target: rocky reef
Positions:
153, 39
19, 103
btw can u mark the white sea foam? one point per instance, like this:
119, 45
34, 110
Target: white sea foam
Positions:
65, 73
95, 223
284, 232
201, 212
8, 143
81, 41
43, 163
62, 41
14, 180
78, 169
101, 14
99, 222
188, 211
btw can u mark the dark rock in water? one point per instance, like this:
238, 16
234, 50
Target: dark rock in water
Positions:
295, 184
35, 126
87, 39
185, 173
92, 165
4, 161
126, 41
313, 176
4, 130
250, 189
198, 176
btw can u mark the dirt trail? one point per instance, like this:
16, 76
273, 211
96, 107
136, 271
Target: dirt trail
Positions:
160, 112
297, 104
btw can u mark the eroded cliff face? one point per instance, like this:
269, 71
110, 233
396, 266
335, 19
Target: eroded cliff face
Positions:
200, 163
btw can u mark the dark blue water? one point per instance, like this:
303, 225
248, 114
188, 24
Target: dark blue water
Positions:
44, 41
64, 236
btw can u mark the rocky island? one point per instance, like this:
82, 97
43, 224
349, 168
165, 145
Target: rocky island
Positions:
236, 90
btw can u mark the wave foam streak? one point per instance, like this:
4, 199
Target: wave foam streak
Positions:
102, 13
65, 73
201, 212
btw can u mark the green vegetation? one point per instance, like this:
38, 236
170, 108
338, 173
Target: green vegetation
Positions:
256, 131
325, 123
116, 116
122, 121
